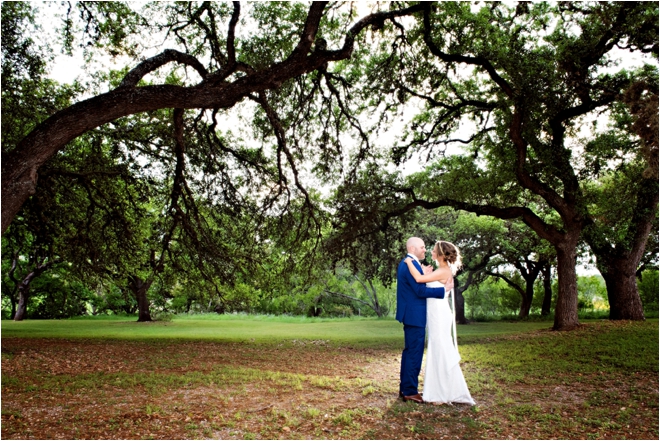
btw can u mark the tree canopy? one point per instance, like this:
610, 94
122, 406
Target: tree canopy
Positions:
526, 78
220, 139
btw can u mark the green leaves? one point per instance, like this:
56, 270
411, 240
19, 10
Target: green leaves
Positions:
112, 26
28, 97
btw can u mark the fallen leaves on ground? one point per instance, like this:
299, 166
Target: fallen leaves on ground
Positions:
67, 389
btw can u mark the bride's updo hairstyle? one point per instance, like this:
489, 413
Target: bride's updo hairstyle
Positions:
450, 252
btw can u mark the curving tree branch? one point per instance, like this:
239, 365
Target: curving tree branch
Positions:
20, 167
545, 230
167, 56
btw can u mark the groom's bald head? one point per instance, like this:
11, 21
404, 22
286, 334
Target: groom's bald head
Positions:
416, 247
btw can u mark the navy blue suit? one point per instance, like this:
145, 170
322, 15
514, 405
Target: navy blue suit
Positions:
411, 311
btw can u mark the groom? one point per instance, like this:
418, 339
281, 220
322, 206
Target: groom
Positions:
411, 311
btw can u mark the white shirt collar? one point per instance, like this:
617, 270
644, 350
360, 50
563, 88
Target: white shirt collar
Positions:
414, 257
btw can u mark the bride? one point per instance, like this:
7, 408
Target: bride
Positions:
443, 378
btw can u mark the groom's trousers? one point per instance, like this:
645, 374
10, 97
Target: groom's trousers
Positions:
411, 358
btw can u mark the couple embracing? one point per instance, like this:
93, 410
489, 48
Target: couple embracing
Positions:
421, 296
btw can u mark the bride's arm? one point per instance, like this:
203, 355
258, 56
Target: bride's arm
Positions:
422, 278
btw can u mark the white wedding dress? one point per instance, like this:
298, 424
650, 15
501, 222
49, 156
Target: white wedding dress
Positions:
443, 378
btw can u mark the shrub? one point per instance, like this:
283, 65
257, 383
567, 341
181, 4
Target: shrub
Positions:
648, 291
162, 316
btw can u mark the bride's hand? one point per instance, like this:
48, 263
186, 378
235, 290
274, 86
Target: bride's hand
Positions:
407, 259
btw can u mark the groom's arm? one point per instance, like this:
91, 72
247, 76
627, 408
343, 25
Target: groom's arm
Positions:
421, 290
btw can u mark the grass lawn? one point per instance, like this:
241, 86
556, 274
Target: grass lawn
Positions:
262, 377
242, 328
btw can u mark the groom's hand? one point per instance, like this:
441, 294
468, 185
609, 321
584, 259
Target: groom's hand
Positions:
449, 285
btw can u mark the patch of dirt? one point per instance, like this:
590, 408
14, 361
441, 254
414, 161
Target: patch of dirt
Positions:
67, 389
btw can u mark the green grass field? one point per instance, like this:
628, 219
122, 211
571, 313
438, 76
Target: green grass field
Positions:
263, 377
236, 328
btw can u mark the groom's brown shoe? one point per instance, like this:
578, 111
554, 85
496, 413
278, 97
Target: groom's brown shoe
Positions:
417, 398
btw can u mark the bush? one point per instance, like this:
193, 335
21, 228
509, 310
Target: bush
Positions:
112, 299
162, 316
592, 293
491, 300
53, 296
648, 292
511, 318
598, 314
337, 310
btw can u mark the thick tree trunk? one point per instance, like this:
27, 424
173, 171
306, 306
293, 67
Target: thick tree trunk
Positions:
622, 292
460, 307
533, 269
618, 264
11, 293
526, 295
547, 290
527, 298
13, 306
315, 310
21, 309
140, 288
566, 317
143, 306
23, 296
24, 291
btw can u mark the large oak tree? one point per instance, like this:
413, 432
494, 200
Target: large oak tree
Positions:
289, 42
525, 77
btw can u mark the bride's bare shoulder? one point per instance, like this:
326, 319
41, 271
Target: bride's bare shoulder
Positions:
443, 274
